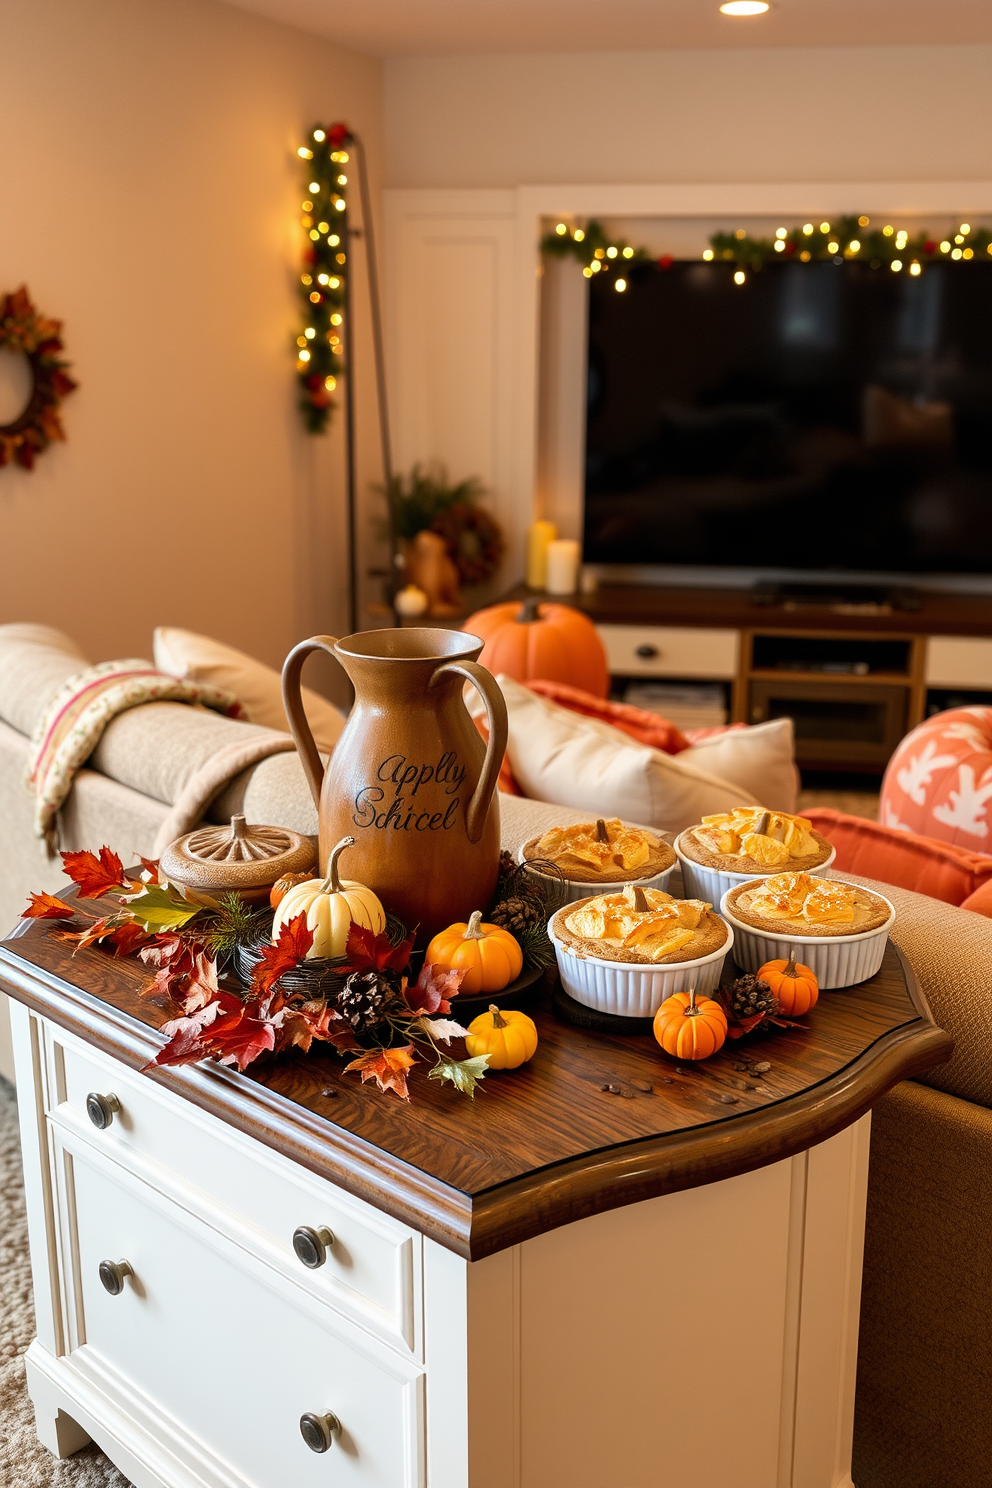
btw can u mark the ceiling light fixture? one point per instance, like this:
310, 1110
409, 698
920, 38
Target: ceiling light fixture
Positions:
744, 7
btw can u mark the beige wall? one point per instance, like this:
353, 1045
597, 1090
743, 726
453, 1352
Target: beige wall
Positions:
831, 114
150, 199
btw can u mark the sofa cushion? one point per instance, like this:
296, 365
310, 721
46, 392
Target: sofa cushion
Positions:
904, 858
35, 660
573, 760
258, 688
939, 781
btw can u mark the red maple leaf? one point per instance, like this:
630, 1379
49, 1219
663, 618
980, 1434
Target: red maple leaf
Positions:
387, 1067
95, 875
433, 989
126, 939
367, 951
242, 1041
93, 933
289, 950
187, 1041
46, 907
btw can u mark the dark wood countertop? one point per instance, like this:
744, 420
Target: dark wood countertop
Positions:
539, 1147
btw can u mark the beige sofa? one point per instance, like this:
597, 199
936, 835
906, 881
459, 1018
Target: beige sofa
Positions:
925, 1364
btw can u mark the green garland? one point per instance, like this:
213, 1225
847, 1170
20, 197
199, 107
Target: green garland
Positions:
319, 346
849, 238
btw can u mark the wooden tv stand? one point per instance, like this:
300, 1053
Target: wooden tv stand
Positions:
845, 720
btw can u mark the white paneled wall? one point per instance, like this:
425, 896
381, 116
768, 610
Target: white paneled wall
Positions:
452, 336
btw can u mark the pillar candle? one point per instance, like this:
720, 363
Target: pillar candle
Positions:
539, 535
563, 566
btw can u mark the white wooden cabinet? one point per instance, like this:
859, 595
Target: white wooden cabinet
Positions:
701, 1339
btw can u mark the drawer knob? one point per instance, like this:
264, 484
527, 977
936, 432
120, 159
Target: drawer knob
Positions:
113, 1275
318, 1431
100, 1109
311, 1245
647, 652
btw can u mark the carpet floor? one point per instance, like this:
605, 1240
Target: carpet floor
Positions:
24, 1462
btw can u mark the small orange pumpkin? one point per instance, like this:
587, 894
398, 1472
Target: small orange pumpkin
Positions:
551, 642
488, 955
689, 1028
282, 886
794, 985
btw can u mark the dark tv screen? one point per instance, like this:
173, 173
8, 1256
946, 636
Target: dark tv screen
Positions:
818, 416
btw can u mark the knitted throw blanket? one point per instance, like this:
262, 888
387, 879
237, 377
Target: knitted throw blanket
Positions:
72, 725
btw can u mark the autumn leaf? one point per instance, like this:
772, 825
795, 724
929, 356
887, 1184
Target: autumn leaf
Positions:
433, 989
442, 1028
94, 875
186, 1038
93, 933
243, 1042
387, 1067
160, 907
369, 952
46, 907
464, 1074
201, 988
289, 950
126, 939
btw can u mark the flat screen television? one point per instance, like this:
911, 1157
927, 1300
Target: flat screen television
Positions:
818, 418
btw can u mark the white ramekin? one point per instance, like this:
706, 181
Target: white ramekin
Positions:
710, 884
576, 890
835, 961
635, 991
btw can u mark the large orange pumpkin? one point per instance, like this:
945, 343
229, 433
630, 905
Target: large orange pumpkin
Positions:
548, 642
794, 985
690, 1028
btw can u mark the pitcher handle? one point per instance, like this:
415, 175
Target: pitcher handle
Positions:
293, 703
475, 815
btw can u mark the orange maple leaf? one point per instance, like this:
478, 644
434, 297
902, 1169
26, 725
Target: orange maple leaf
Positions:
47, 907
95, 875
289, 950
387, 1067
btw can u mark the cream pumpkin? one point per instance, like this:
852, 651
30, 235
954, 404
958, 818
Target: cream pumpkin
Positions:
332, 905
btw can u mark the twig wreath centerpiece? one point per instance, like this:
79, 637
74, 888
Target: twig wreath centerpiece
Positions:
319, 344
23, 329
374, 1010
845, 238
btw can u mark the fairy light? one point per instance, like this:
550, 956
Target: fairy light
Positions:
313, 188
309, 333
740, 276
336, 319
781, 233
579, 235
330, 383
965, 228
561, 229
334, 240
945, 246
805, 256
620, 286
863, 221
914, 268
316, 298
896, 265
779, 246
956, 253
824, 227
323, 227
708, 254
308, 206
807, 228
959, 237
611, 252
318, 346
833, 247
887, 231
968, 253
854, 246
306, 279
304, 153
319, 136
304, 356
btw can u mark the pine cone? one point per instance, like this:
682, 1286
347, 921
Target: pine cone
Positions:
749, 998
363, 998
516, 914
507, 864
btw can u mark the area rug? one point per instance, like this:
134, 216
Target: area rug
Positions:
24, 1462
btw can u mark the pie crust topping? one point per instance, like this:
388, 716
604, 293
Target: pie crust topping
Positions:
641, 925
602, 851
808, 906
751, 834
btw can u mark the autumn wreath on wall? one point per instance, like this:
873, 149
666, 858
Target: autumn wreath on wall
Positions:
23, 330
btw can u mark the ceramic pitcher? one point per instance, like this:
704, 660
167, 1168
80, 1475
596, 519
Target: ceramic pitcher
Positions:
410, 777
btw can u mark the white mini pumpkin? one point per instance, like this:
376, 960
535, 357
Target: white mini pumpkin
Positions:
332, 905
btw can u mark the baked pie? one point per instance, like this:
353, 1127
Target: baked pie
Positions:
799, 904
644, 926
750, 839
601, 851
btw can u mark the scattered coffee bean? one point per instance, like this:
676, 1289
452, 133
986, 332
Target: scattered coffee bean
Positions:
762, 1068
752, 1087
680, 1069
642, 1085
728, 1099
331, 1094
664, 1079
763, 1090
629, 1094
604, 1087
740, 1067
613, 1088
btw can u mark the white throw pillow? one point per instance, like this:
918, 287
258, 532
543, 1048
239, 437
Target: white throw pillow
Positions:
760, 758
258, 688
571, 760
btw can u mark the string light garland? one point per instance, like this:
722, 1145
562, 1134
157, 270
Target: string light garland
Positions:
844, 239
320, 345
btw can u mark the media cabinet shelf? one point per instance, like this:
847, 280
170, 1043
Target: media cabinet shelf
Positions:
844, 721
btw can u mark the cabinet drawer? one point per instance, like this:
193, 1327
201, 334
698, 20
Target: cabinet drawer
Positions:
372, 1268
670, 651
224, 1353
959, 661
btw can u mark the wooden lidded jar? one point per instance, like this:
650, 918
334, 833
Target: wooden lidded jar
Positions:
236, 859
